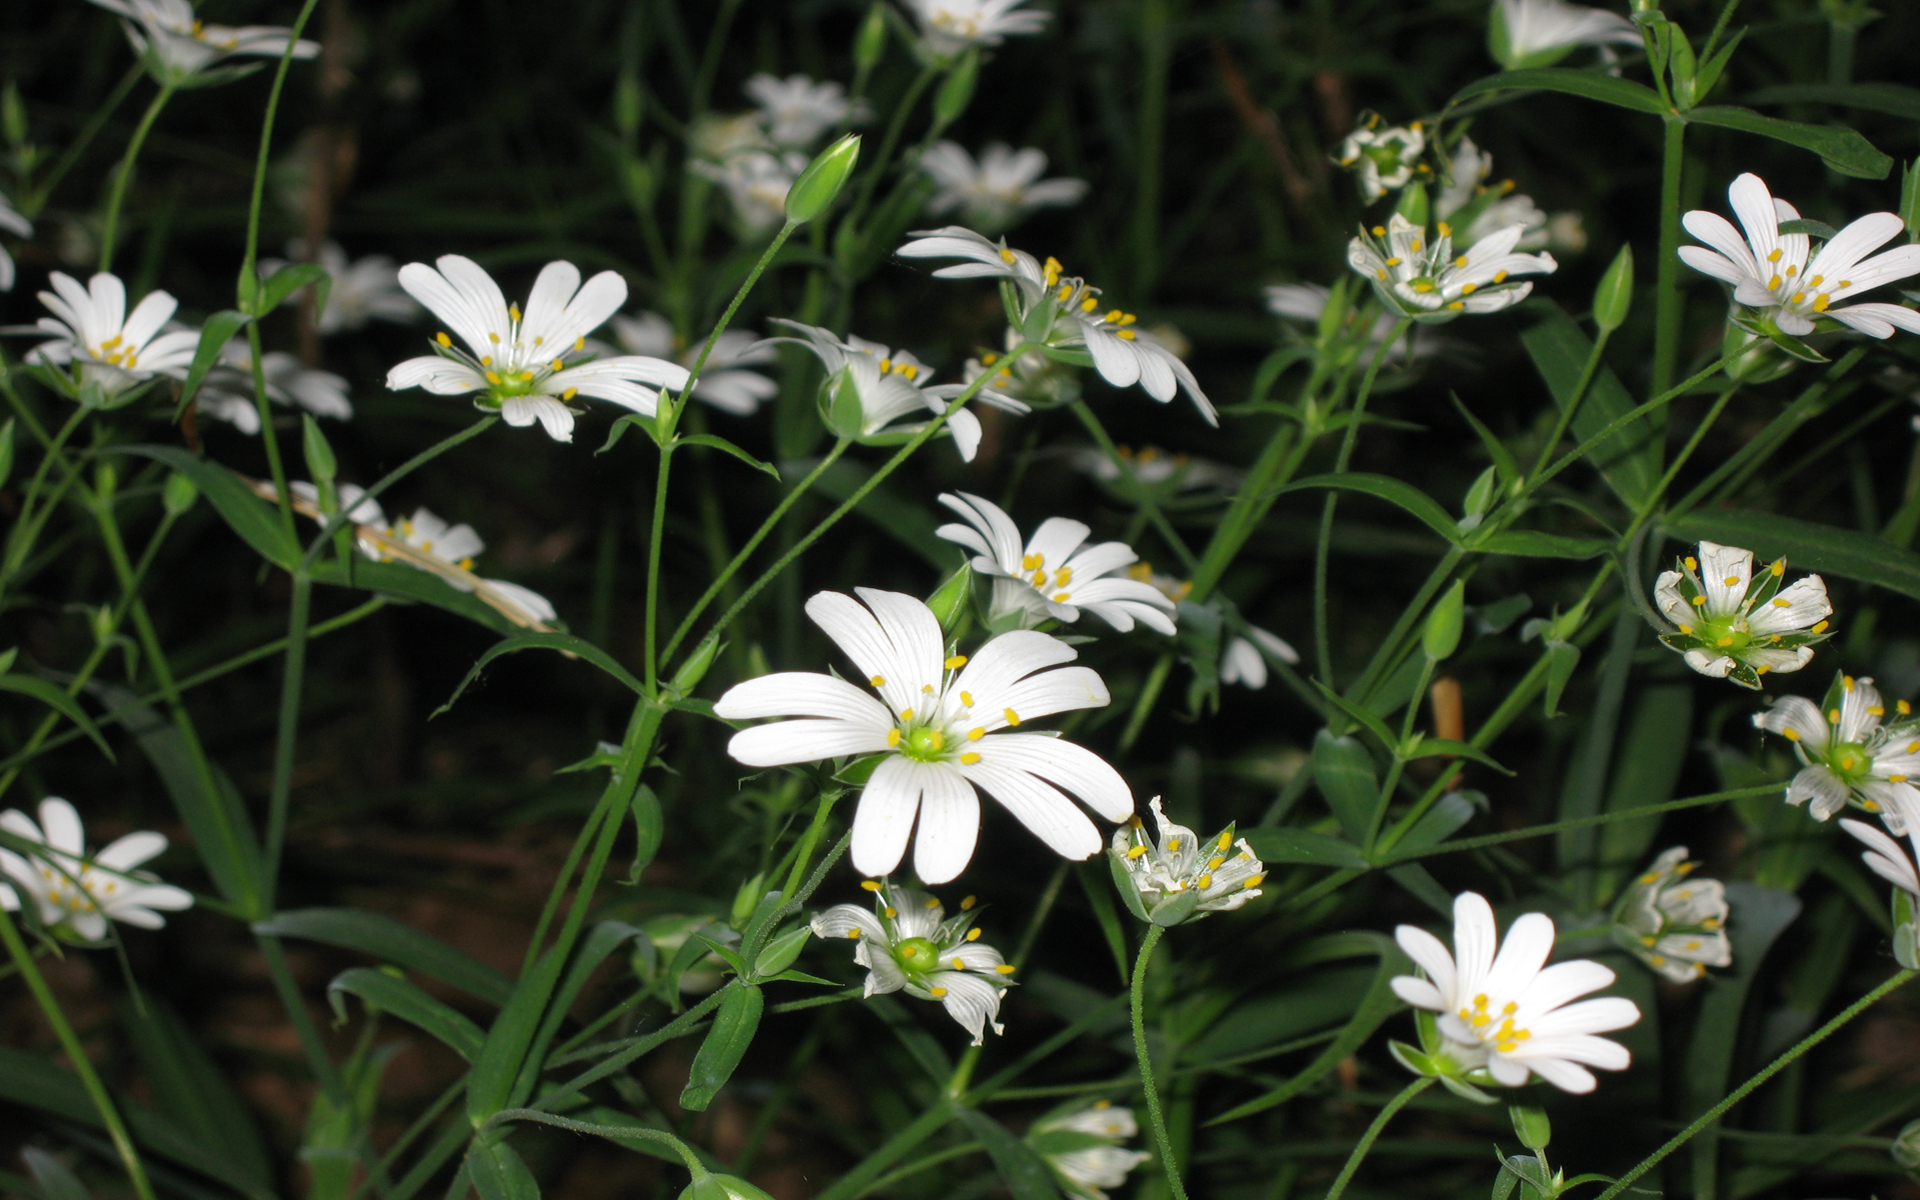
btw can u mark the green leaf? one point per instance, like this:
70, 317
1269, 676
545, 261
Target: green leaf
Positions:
392, 994
385, 938
1428, 747
291, 277
215, 333
727, 1041
1529, 543
1344, 772
1024, 1171
408, 583
1842, 149
1562, 658
1819, 229
60, 702
1646, 771
499, 1173
492, 1082
52, 1177
1100, 899
1629, 457
1394, 491
1894, 99
1495, 445
190, 1087
1303, 847
257, 523
639, 421
720, 443
1421, 884
1827, 549
1437, 824
566, 643
1374, 725
593, 950
1607, 89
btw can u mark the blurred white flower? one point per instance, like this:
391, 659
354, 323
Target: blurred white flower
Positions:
76, 894
949, 27
527, 369
1154, 468
365, 289
756, 184
1885, 856
999, 189
907, 944
1769, 270
720, 137
1848, 755
1423, 279
797, 109
13, 222
939, 724
1082, 1170
724, 382
112, 348
1734, 626
176, 45
1510, 1013
1675, 924
1537, 33
227, 393
1386, 157
1244, 661
1177, 876
1055, 574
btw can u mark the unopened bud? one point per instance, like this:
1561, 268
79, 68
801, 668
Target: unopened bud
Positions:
814, 192
694, 669
1614, 297
1531, 1126
1444, 623
321, 464
949, 600
179, 493
1414, 205
871, 42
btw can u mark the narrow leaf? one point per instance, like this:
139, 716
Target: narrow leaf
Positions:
392, 994
1304, 847
257, 524
1843, 149
60, 702
214, 336
733, 1029
1894, 99
720, 443
1622, 93
1021, 1169
386, 938
1827, 549
1344, 772
1529, 543
566, 643
1629, 457
1393, 491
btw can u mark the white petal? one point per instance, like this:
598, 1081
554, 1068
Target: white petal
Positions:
1058, 761
884, 820
1050, 816
1432, 956
60, 821
555, 417
803, 694
804, 739
130, 851
949, 824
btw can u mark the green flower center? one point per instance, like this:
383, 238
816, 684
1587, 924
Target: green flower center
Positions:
917, 956
1849, 760
1728, 633
924, 743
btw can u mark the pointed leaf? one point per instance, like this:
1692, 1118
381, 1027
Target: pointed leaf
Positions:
566, 643
1893, 99
1629, 457
1393, 491
726, 1043
1344, 772
214, 336
257, 524
60, 702
385, 938
1842, 149
1304, 847
392, 994
720, 443
1827, 549
1023, 1170
1591, 85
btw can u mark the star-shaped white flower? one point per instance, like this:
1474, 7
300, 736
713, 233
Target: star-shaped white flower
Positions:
950, 27
1538, 33
176, 45
908, 945
940, 723
1511, 1012
227, 393
797, 109
527, 368
1770, 271
1732, 625
1063, 314
363, 289
1418, 275
1849, 755
110, 347
725, 382
1386, 156
1055, 574
1675, 924
12, 222
999, 189
1176, 875
1084, 1171
77, 894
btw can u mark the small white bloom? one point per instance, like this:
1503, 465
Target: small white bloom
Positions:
1674, 924
1538, 33
77, 894
12, 222
1849, 755
1769, 270
1177, 876
908, 945
1421, 277
1510, 1012
797, 109
1055, 574
364, 289
1244, 661
1085, 1170
527, 369
999, 189
112, 348
719, 137
176, 45
949, 27
756, 183
1387, 157
1732, 625
725, 382
227, 393
1063, 314
939, 721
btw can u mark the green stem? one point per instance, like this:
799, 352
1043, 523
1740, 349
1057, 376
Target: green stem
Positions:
26, 527
1149, 692
287, 729
1169, 1164
249, 274
861, 1180
268, 441
1373, 1133
884, 159
1667, 309
109, 228
1573, 402
1768, 1072
1156, 53
1679, 460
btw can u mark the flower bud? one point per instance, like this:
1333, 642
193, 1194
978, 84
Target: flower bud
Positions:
628, 104
1906, 1146
1414, 205
722, 1187
694, 669
871, 42
1614, 297
956, 90
179, 493
949, 600
1531, 1126
321, 464
1910, 201
1444, 623
814, 192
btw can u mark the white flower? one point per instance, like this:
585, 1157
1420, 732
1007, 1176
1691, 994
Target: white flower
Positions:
1153, 468
1510, 1012
1063, 314
1422, 278
1676, 925
756, 183
939, 722
176, 45
1479, 209
724, 382
1386, 156
906, 946
1084, 1170
997, 191
1056, 574
869, 387
527, 368
1769, 270
797, 109
1177, 876
1734, 626
112, 348
78, 894
13, 222
227, 394
365, 289
1245, 659
948, 27
1537, 33
1849, 755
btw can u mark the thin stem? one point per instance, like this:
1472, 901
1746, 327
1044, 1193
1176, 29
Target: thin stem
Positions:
1149, 692
109, 228
248, 272
1667, 310
27, 526
287, 729
884, 159
1767, 1072
1169, 1164
77, 1054
269, 441
1373, 1133
1679, 460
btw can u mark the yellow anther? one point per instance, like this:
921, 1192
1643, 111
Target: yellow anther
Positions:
893, 736
1468, 289
1113, 316
1125, 335
892, 912
1833, 715
937, 993
1006, 255
1686, 629
1726, 641
526, 377
1773, 256
967, 904
966, 698
955, 662
1005, 968
1253, 881
973, 935
1693, 564
969, 758
580, 343
1204, 882
570, 393
1499, 276
1460, 261
1782, 602
976, 733
1897, 778
1173, 845
872, 885
1797, 298
1061, 597
513, 311
1379, 231
494, 338
1013, 718
1774, 283
1699, 600
443, 339
1792, 271
1415, 245
878, 681
937, 739
1821, 301
486, 360
906, 714
1902, 707
1033, 562
1792, 735
1423, 288
1395, 261
1877, 710
557, 365
1821, 627
493, 377
854, 933
1089, 304
886, 366
1381, 275
1136, 852
1446, 230
1456, 306
1225, 839
1844, 283
1480, 1001
910, 371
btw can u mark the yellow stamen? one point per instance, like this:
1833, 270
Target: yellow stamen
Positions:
956, 662
878, 681
937, 993
872, 885
1005, 968
906, 714
493, 378
1136, 852
967, 904
966, 698
973, 935
893, 737
1013, 718
976, 733
969, 758
1821, 627
443, 339
1792, 735
1125, 335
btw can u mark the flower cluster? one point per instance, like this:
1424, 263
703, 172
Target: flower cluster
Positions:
756, 156
1732, 624
77, 894
1675, 924
909, 944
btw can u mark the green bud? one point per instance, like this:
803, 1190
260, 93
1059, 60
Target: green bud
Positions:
722, 1187
628, 104
1906, 1146
1531, 1126
747, 898
321, 464
956, 90
1414, 205
871, 42
247, 288
949, 600
6, 451
1480, 495
694, 669
179, 493
781, 951
1614, 297
1910, 200
1442, 636
106, 480
814, 192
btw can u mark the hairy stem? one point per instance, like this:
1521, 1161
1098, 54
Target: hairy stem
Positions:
1373, 1134
1169, 1163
